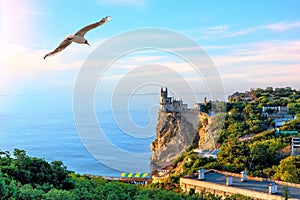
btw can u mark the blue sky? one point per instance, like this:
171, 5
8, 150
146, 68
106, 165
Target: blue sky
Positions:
252, 43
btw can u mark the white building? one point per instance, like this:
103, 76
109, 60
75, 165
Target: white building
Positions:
279, 114
275, 109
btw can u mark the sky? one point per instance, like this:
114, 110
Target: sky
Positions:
251, 43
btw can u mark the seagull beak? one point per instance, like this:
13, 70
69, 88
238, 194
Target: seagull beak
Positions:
87, 43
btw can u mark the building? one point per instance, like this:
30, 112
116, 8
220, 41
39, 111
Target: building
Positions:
169, 104
226, 183
275, 109
207, 153
200, 106
135, 178
163, 173
279, 114
295, 146
247, 97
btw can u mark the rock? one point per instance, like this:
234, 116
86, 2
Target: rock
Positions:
175, 133
206, 141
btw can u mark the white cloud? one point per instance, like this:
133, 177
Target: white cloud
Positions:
270, 51
261, 63
274, 27
244, 32
36, 13
225, 30
216, 29
241, 66
20, 64
283, 26
209, 32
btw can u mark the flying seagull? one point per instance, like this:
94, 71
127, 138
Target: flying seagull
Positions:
78, 37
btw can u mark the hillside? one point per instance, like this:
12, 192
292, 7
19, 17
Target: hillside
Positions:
250, 138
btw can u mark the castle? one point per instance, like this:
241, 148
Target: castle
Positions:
170, 104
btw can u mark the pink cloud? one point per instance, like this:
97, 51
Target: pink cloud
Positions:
266, 63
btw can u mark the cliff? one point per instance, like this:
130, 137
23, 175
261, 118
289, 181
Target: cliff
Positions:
176, 132
205, 132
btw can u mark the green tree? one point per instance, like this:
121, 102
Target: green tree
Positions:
30, 170
286, 193
258, 154
234, 154
287, 170
8, 188
294, 108
264, 154
3, 188
56, 194
26, 192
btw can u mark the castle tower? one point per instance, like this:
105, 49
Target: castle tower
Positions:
165, 101
163, 96
204, 101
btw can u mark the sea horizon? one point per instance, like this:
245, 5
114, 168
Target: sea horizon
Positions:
49, 131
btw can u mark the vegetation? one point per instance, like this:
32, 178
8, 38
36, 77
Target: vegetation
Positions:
27, 178
287, 169
248, 140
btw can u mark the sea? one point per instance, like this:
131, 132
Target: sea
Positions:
45, 127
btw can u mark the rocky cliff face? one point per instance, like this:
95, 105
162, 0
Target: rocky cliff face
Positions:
206, 135
176, 132
173, 136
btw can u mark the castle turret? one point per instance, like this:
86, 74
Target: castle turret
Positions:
204, 101
169, 104
163, 96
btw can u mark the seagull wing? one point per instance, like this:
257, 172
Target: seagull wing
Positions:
87, 28
66, 42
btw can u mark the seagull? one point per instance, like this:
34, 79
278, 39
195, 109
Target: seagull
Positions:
78, 37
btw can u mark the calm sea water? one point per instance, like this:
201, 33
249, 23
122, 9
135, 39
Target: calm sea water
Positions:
45, 128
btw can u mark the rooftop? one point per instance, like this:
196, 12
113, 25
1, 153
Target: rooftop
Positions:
259, 185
